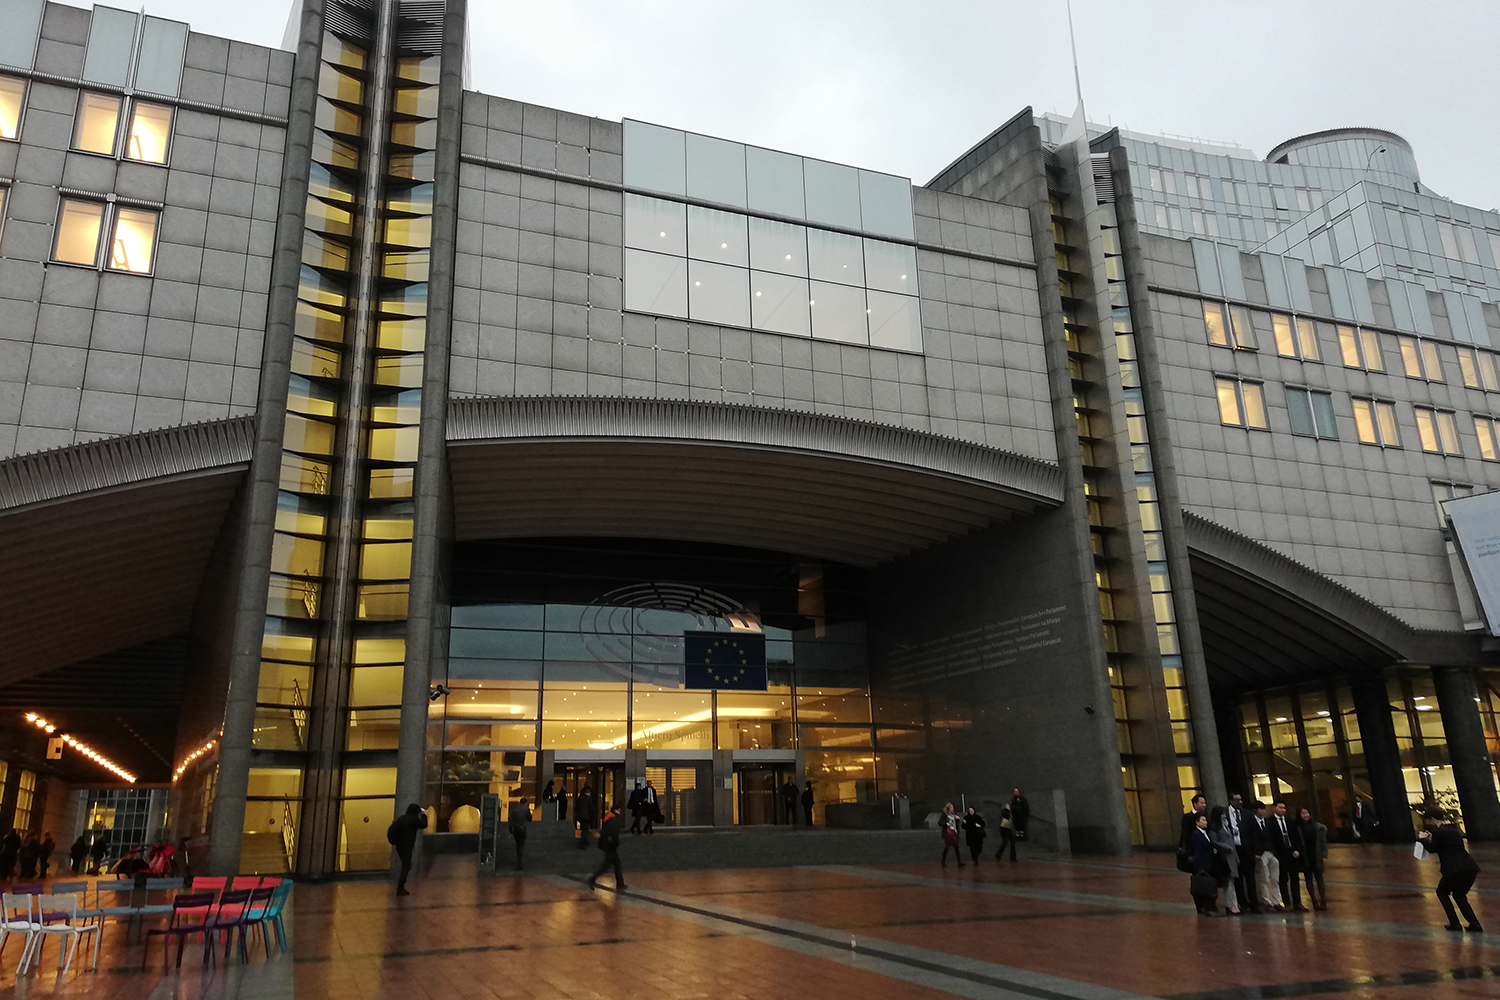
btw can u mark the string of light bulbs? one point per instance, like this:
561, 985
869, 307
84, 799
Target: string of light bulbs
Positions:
187, 761
81, 747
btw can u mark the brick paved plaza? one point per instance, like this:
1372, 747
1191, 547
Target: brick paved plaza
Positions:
1043, 928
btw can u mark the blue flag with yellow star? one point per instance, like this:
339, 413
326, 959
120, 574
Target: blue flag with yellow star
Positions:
728, 661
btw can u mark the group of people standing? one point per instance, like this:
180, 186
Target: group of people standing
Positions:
30, 853
1258, 857
1014, 817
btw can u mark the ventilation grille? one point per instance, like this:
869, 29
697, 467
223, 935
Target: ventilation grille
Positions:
351, 19
1104, 180
419, 26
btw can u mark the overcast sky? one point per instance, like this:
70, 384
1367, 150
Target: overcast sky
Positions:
908, 87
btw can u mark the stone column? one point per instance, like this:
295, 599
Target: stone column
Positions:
1473, 772
1382, 758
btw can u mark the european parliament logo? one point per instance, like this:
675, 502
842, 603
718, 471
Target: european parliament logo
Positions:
727, 661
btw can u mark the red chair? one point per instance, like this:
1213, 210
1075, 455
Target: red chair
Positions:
204, 883
245, 882
192, 913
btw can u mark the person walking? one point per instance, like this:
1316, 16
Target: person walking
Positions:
48, 846
1314, 857
520, 822
1286, 843
562, 805
1203, 884
974, 833
948, 826
789, 800
1007, 833
1456, 867
609, 843
78, 852
402, 835
807, 803
1229, 857
651, 807
633, 806
1020, 813
99, 848
583, 813
1267, 871
1236, 820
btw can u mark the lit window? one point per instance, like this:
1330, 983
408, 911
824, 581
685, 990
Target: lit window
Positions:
131, 243
78, 225
25, 794
98, 121
1311, 413
1307, 340
1375, 423
1213, 318
1242, 330
1241, 404
150, 130
1437, 431
1286, 343
1361, 348
1489, 442
12, 94
1478, 369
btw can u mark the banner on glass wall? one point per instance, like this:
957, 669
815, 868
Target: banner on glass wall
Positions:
727, 661
1476, 529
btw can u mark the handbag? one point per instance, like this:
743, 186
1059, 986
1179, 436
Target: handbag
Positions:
1203, 884
950, 838
1184, 861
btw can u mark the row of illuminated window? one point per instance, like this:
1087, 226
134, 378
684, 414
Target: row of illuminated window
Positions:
107, 124
115, 236
689, 165
1298, 337
1310, 412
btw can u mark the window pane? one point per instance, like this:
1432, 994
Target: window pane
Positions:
1486, 432
718, 293
832, 193
159, 65
1307, 340
1213, 318
1374, 360
1349, 347
1229, 404
1322, 404
778, 302
78, 225
1426, 430
655, 158
1255, 405
150, 128
1300, 410
1364, 422
1467, 370
838, 313
1447, 432
715, 170
1432, 364
1487, 370
12, 92
655, 283
774, 182
717, 236
895, 321
1286, 345
885, 204
1244, 335
111, 39
98, 116
835, 257
653, 224
778, 246
1389, 435
891, 267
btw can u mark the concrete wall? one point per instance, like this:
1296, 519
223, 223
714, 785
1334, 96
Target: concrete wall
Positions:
1359, 514
537, 310
87, 354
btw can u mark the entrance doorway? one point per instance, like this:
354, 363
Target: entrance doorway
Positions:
684, 792
757, 793
606, 780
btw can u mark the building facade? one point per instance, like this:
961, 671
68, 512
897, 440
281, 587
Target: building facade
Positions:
369, 440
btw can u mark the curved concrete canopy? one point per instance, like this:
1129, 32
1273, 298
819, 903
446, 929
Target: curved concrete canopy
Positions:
810, 484
106, 542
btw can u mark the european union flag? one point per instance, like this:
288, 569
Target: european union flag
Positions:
730, 661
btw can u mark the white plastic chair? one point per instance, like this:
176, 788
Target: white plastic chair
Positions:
18, 916
65, 907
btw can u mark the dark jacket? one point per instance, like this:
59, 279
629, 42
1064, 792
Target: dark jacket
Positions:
1284, 845
1020, 811
973, 827
583, 807
1201, 848
609, 833
520, 815
1256, 837
1315, 840
637, 802
1453, 858
807, 798
403, 830
1189, 824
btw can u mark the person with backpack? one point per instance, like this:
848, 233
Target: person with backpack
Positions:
609, 843
402, 835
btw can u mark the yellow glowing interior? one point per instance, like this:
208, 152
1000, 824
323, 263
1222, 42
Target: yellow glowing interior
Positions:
78, 231
134, 237
12, 92
98, 119
150, 128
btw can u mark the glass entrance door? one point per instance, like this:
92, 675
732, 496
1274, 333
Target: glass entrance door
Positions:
607, 781
757, 793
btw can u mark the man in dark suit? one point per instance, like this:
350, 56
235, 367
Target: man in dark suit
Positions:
789, 801
1286, 844
1243, 829
583, 812
1190, 818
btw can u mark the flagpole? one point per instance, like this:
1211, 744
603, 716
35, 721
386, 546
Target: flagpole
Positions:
1073, 44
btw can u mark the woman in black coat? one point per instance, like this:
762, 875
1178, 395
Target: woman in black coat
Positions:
974, 833
1204, 885
1457, 869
